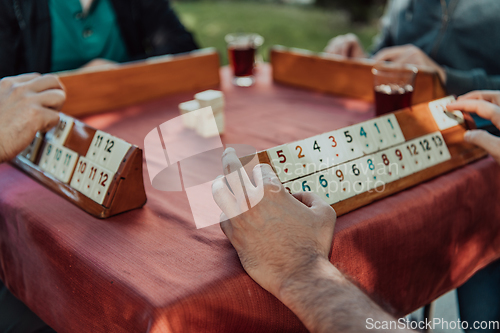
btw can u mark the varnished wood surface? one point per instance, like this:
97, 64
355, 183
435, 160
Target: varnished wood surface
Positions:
101, 89
415, 122
126, 191
343, 77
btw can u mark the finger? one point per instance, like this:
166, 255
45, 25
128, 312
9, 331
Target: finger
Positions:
482, 108
25, 77
268, 176
53, 98
49, 118
226, 226
45, 82
485, 140
476, 94
233, 170
487, 95
309, 199
223, 197
346, 49
389, 53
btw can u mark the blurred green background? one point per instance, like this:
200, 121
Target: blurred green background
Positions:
287, 22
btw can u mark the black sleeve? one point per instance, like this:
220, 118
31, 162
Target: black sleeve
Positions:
151, 28
11, 55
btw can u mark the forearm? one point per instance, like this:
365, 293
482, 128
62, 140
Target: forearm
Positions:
325, 301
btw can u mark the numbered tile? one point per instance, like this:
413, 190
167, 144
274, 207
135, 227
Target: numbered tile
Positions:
32, 150
341, 183
282, 161
89, 179
380, 133
78, 177
416, 155
304, 184
440, 149
402, 158
113, 152
374, 171
56, 161
69, 159
102, 181
318, 151
368, 141
334, 148
97, 146
47, 155
437, 109
388, 167
326, 187
393, 132
429, 156
349, 139
59, 134
303, 163
358, 175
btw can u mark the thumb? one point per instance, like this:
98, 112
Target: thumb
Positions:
309, 199
485, 140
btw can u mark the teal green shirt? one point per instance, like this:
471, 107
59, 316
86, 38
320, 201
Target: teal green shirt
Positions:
78, 38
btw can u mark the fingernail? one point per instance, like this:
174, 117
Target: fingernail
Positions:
467, 136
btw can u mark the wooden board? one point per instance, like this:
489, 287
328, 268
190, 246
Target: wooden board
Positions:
414, 122
344, 77
125, 188
96, 90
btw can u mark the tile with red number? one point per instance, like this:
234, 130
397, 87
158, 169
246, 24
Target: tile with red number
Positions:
334, 148
103, 179
302, 158
282, 162
389, 166
401, 156
341, 183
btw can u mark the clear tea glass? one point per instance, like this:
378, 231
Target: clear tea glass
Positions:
393, 86
241, 49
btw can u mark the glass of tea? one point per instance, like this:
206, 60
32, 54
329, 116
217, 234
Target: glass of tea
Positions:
241, 49
393, 85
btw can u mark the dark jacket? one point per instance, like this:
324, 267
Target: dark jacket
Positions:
148, 27
464, 40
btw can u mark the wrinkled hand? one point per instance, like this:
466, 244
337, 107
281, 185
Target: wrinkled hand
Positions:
346, 45
280, 236
486, 110
27, 104
409, 54
492, 96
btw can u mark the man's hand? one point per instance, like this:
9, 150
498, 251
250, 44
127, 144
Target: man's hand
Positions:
492, 96
282, 235
27, 104
346, 45
473, 103
283, 243
409, 54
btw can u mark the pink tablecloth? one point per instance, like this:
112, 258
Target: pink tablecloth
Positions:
151, 270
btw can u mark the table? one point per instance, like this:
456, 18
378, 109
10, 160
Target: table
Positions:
151, 270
